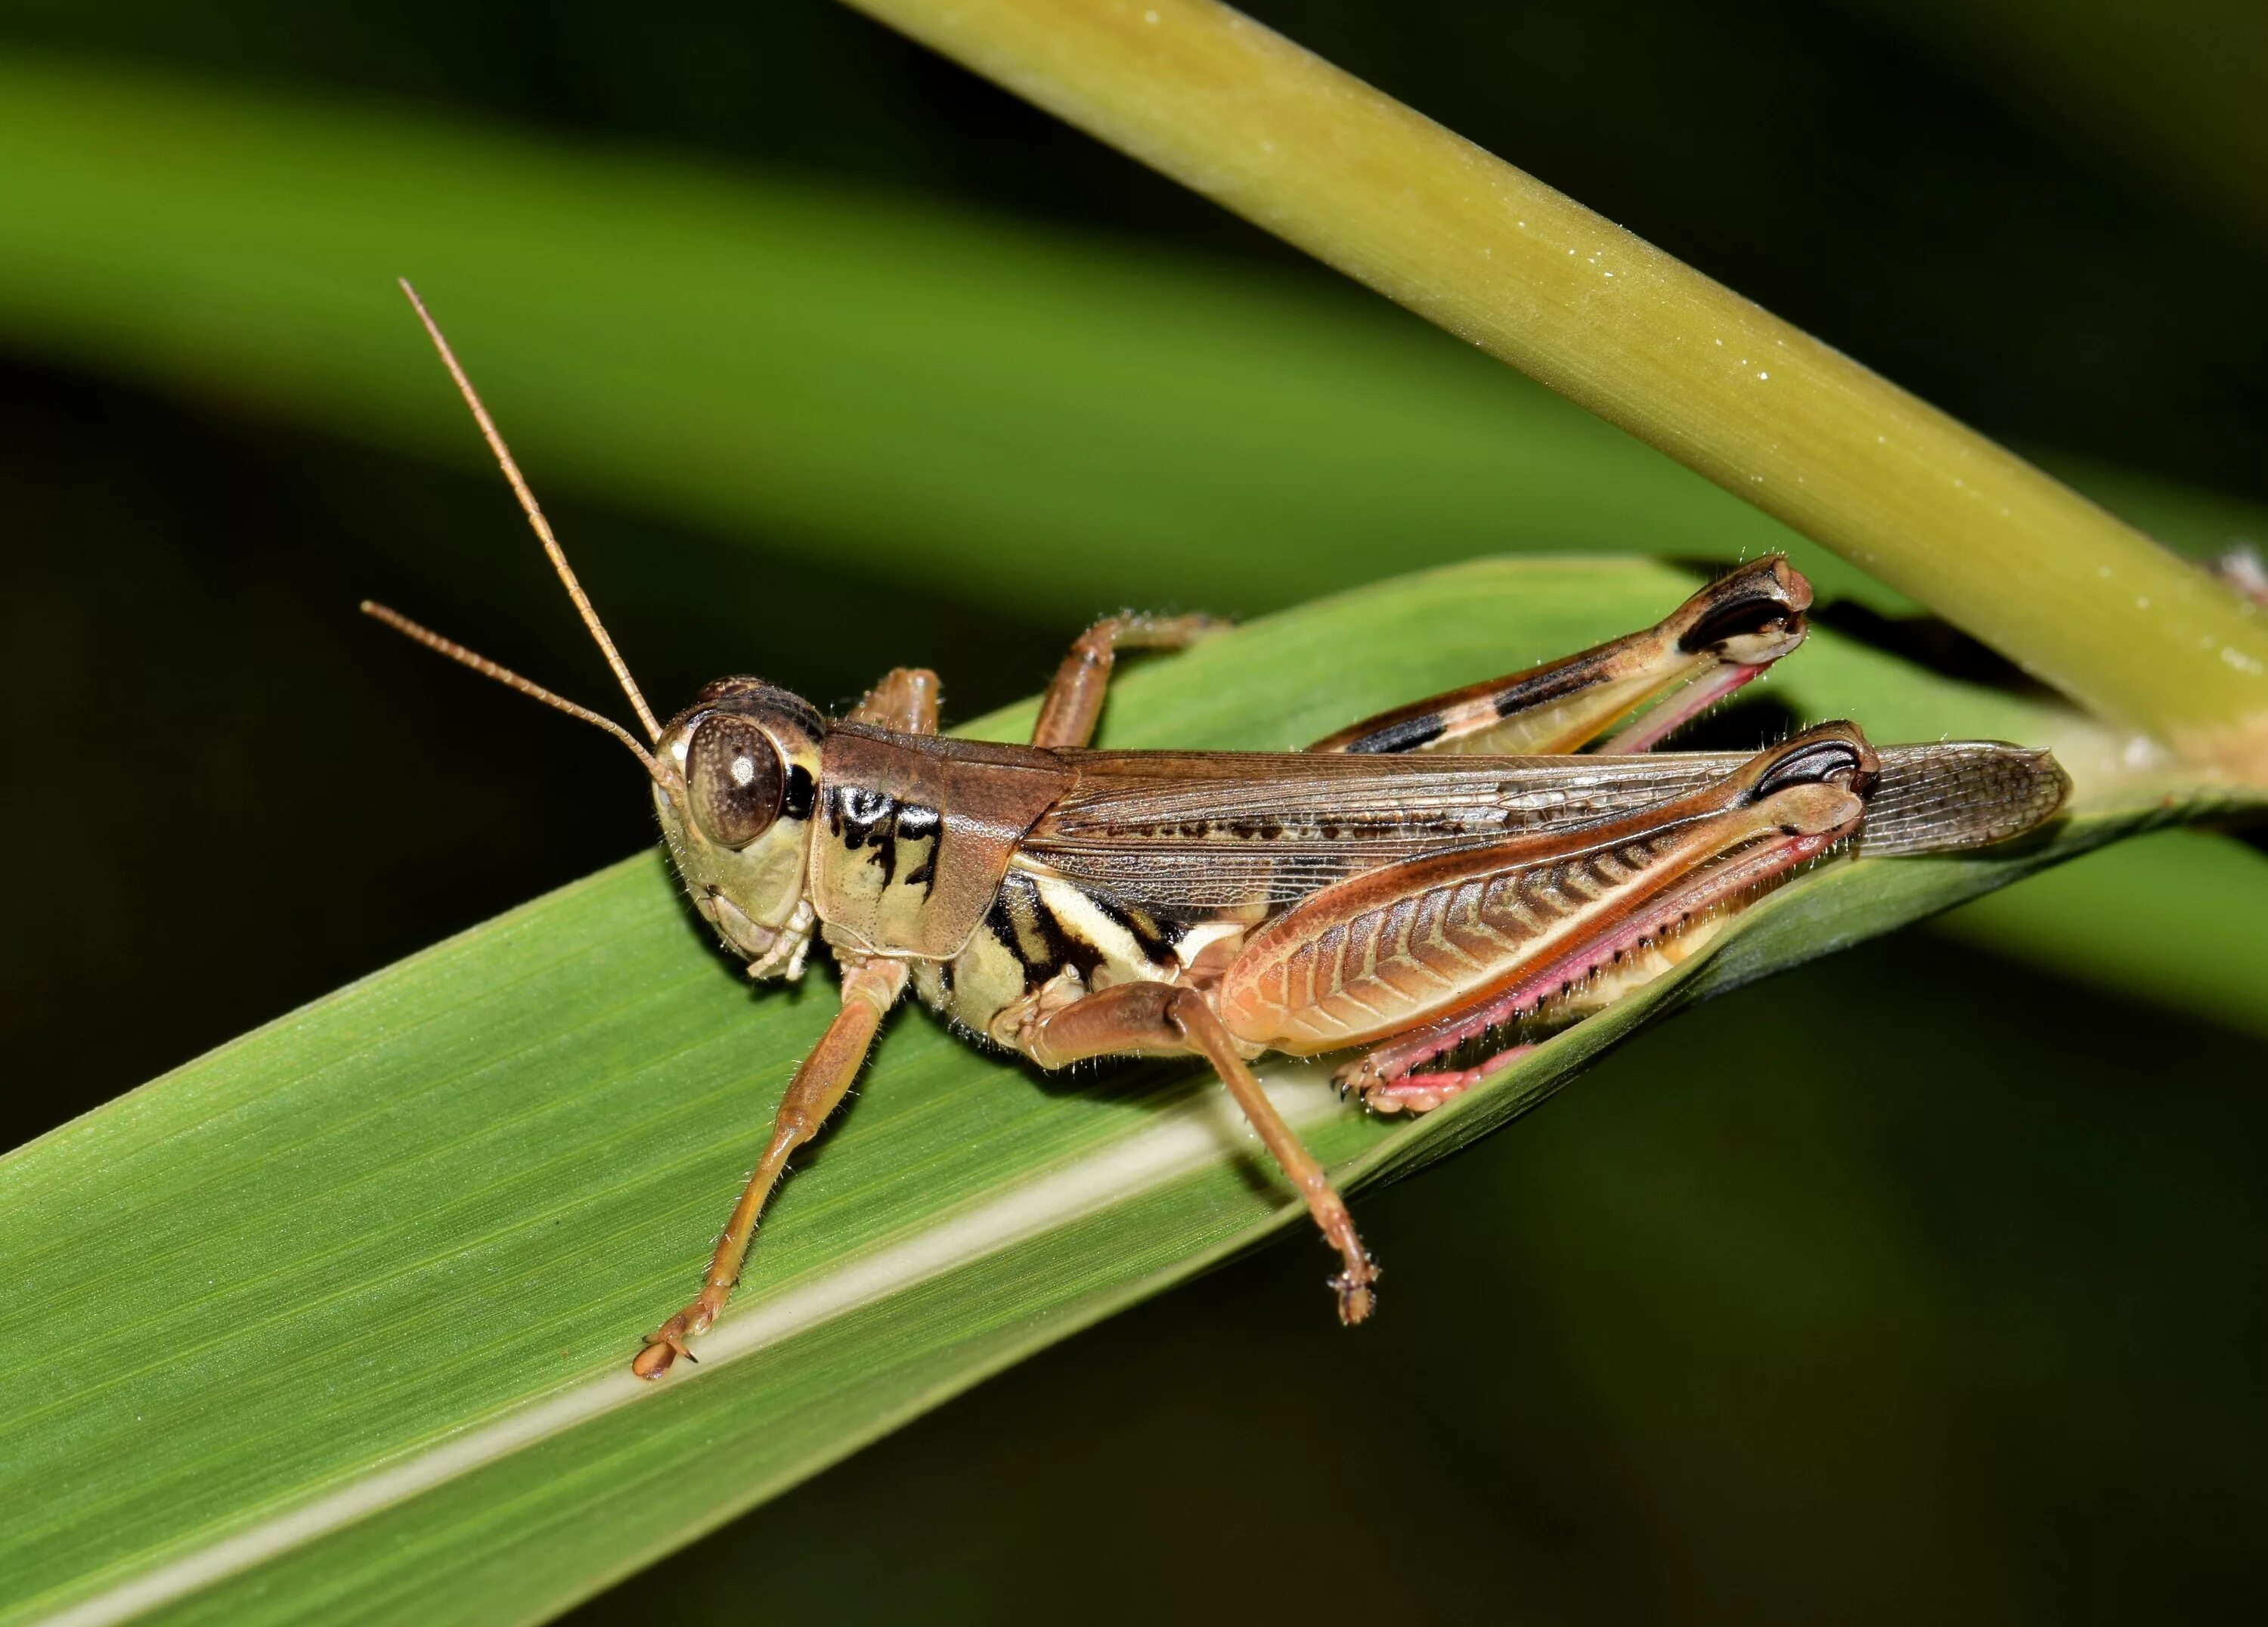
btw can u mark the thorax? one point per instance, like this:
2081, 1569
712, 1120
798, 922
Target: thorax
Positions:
913, 836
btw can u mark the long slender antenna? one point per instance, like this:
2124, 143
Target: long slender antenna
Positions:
510, 679
535, 515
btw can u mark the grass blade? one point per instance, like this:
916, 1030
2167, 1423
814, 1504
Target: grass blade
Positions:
1244, 116
344, 1266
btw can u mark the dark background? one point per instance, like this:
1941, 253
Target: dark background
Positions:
1913, 1282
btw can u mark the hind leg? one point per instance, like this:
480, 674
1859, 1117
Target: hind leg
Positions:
1709, 646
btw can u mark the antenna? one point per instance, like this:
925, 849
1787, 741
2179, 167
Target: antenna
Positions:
510, 679
543, 534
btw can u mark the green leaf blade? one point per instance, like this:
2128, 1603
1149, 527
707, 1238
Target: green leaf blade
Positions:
338, 1264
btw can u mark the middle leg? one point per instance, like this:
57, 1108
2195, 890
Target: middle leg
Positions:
1164, 1019
1074, 698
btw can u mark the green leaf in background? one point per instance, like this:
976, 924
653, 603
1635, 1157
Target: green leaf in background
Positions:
332, 1323
945, 397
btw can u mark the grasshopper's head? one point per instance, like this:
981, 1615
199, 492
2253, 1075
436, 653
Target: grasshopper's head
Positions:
740, 774
734, 773
1750, 618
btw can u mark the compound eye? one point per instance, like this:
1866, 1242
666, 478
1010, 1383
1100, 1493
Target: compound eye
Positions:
734, 779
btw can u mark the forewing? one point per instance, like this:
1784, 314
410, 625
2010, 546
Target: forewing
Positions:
1212, 830
1959, 794
1220, 830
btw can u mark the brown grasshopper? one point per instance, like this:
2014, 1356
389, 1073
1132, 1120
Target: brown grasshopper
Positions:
1410, 890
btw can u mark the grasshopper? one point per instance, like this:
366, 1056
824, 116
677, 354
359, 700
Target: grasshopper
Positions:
1415, 891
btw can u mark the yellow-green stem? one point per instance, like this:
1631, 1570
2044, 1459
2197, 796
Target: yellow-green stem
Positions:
1280, 135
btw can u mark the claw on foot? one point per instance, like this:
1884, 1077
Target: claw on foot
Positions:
663, 1346
1418, 1093
1357, 1288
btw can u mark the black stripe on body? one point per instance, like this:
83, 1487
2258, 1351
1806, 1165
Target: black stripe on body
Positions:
1042, 942
859, 817
856, 814
919, 822
1155, 937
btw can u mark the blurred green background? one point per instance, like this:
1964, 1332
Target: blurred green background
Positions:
1917, 1282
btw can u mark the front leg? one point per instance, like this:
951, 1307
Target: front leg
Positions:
905, 700
1712, 644
1163, 1020
869, 990
1074, 699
